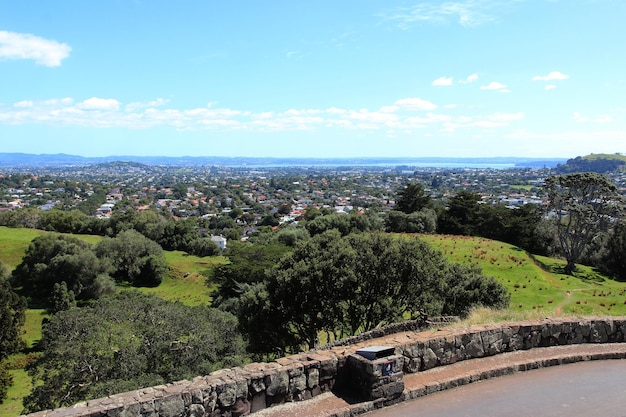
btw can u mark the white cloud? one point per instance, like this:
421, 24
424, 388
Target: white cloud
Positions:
388, 109
579, 118
554, 75
603, 118
23, 104
95, 103
45, 52
415, 104
471, 78
550, 87
494, 85
148, 104
442, 82
467, 13
506, 117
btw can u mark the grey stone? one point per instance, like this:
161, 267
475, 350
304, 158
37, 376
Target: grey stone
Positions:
195, 410
277, 383
170, 406
429, 359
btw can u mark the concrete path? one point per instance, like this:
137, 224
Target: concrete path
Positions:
461, 373
590, 389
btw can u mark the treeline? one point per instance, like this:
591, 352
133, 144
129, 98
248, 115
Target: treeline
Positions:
598, 165
184, 234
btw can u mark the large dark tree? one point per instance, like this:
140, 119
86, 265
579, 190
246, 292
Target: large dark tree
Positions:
582, 206
54, 258
413, 198
135, 258
126, 342
613, 255
345, 285
12, 309
462, 215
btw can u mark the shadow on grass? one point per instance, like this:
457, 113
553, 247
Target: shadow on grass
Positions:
587, 274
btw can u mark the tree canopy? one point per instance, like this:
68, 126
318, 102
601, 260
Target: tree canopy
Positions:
582, 206
12, 309
135, 258
413, 198
126, 342
345, 285
53, 258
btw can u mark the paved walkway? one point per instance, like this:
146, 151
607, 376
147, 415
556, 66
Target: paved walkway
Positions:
457, 374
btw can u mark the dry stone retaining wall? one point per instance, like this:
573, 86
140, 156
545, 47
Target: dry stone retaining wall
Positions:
241, 391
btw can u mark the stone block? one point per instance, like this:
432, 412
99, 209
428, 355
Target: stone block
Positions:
172, 406
313, 377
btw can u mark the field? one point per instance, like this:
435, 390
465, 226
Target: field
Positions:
537, 286
536, 283
186, 280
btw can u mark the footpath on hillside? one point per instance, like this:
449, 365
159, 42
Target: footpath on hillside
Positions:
450, 376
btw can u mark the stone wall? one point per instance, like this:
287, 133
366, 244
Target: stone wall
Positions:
241, 391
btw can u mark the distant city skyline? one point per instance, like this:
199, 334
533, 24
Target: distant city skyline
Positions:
354, 78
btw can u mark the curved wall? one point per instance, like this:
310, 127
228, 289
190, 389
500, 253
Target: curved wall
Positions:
240, 391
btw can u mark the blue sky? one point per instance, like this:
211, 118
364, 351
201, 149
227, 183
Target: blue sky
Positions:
351, 78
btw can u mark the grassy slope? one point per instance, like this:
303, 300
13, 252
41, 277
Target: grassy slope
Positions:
185, 282
536, 283
595, 156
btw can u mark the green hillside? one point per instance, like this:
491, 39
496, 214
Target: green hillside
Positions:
536, 282
607, 156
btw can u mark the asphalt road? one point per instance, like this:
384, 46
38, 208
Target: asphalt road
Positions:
596, 388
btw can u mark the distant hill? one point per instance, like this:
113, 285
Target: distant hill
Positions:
600, 163
23, 160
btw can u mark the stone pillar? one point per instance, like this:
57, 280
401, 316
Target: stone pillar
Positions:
376, 374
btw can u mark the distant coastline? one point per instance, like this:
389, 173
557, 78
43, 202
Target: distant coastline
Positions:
24, 160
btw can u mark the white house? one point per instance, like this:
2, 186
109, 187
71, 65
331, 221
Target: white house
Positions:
220, 241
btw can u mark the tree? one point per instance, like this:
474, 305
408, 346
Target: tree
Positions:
613, 255
582, 206
128, 341
423, 221
345, 285
12, 308
135, 258
62, 298
413, 198
462, 216
53, 258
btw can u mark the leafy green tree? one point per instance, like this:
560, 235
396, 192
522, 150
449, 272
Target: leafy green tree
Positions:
73, 221
413, 198
582, 206
12, 308
516, 226
62, 298
466, 287
462, 215
344, 285
247, 265
613, 253
345, 224
423, 221
129, 341
135, 258
52, 258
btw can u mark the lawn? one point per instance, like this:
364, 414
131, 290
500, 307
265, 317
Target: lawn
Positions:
187, 277
536, 282
13, 244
